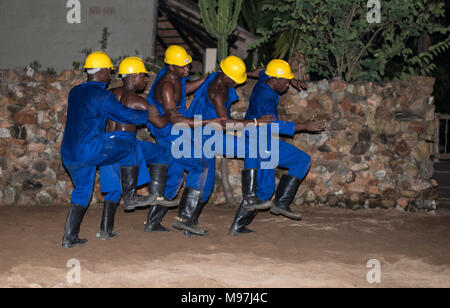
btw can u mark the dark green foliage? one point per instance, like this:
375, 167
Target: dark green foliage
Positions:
336, 39
220, 19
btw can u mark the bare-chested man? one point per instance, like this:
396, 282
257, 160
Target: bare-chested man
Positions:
134, 77
168, 95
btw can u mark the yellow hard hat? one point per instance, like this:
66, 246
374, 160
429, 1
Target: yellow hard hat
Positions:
98, 59
177, 55
234, 68
132, 65
279, 69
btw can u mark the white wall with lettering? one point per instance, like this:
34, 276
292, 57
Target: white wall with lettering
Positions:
53, 32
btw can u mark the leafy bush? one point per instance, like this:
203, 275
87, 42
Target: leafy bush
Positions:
335, 39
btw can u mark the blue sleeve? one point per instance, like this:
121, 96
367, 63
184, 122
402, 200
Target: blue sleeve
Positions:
262, 76
122, 114
286, 127
266, 106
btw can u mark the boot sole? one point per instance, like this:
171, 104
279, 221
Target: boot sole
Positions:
277, 211
261, 206
165, 203
132, 207
106, 236
179, 226
161, 229
237, 233
73, 245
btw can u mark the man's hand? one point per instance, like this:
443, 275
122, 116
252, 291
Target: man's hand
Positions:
152, 112
314, 126
155, 118
254, 73
265, 119
299, 85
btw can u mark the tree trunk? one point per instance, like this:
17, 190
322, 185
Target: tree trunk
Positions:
298, 65
222, 48
227, 189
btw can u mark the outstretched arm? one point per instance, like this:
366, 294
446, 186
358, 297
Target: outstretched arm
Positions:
221, 111
254, 73
117, 112
299, 85
171, 112
311, 126
136, 102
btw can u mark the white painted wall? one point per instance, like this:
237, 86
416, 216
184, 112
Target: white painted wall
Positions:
37, 30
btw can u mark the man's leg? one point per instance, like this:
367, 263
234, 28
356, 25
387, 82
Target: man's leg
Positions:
125, 154
83, 180
190, 203
110, 204
159, 160
210, 179
298, 163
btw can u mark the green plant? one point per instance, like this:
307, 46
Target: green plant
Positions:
50, 71
335, 39
76, 65
154, 64
220, 18
104, 41
252, 18
35, 66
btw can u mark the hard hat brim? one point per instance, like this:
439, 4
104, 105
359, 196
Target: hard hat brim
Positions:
187, 61
285, 76
88, 68
240, 80
128, 73
290, 76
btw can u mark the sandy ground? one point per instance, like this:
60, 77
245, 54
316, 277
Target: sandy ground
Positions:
328, 248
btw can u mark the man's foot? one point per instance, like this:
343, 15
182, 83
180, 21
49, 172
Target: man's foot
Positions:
287, 213
240, 231
156, 228
182, 224
66, 243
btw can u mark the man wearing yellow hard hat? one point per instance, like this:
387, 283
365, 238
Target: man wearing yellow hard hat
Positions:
273, 81
168, 95
85, 145
213, 99
134, 75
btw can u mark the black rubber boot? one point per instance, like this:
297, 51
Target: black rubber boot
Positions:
158, 174
107, 224
242, 219
72, 228
128, 180
250, 200
286, 190
187, 211
196, 216
155, 215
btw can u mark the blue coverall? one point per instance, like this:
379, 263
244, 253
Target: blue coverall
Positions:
264, 101
149, 153
85, 144
202, 106
196, 168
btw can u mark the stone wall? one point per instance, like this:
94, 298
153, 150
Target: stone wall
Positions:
376, 153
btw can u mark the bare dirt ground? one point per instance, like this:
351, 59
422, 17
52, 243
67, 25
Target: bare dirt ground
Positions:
328, 248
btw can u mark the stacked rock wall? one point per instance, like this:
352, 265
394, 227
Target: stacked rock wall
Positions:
376, 153
377, 150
